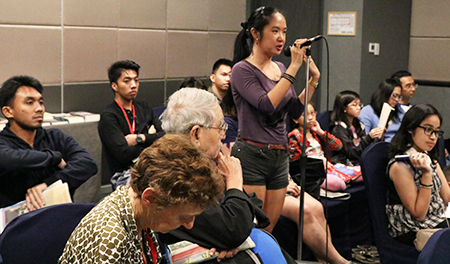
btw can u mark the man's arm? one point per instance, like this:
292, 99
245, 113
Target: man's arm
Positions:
155, 131
12, 159
79, 164
114, 139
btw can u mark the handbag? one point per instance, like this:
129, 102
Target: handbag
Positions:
346, 173
315, 175
422, 237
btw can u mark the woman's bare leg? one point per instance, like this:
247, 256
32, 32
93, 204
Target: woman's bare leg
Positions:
314, 228
272, 202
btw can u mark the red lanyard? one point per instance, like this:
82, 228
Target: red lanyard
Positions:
152, 248
131, 127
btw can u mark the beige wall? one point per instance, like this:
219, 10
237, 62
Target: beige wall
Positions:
74, 41
429, 57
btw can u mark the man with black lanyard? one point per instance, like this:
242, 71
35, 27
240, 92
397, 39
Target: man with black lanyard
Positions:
126, 125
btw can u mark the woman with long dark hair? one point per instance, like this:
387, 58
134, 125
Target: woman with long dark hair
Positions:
389, 91
264, 93
230, 116
418, 191
346, 126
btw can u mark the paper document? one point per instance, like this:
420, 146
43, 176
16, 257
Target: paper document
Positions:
187, 252
385, 111
56, 193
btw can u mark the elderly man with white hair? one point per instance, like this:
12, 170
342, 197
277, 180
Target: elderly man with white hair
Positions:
197, 113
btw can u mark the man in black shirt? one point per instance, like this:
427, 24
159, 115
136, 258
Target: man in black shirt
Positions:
125, 124
32, 158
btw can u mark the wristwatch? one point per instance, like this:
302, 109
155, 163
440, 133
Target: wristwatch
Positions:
139, 139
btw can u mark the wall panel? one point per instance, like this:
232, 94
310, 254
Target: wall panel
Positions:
69, 44
88, 52
25, 12
34, 51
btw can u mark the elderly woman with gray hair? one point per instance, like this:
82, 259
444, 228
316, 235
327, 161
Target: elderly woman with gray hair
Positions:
172, 182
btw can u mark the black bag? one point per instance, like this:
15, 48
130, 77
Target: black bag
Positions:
315, 175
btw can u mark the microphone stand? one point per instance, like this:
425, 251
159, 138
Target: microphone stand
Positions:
303, 161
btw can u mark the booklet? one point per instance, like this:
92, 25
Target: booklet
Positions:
188, 252
57, 193
88, 116
334, 195
385, 112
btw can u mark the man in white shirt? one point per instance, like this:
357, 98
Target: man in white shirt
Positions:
408, 90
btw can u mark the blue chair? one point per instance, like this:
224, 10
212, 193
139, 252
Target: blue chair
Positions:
157, 111
40, 236
373, 163
436, 249
441, 150
324, 119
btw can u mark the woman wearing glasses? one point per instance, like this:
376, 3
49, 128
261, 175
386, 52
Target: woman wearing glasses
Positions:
346, 126
389, 91
417, 189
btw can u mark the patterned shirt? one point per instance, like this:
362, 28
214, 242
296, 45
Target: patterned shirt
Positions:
296, 142
399, 218
108, 234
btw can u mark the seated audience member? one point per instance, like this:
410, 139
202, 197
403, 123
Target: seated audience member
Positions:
314, 226
230, 116
346, 126
408, 90
389, 91
315, 137
193, 83
32, 158
172, 182
225, 227
418, 191
124, 125
220, 77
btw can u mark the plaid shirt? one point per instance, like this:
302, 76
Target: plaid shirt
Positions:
400, 221
296, 142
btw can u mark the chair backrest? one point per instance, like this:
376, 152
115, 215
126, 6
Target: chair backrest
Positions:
324, 119
373, 163
436, 249
157, 111
441, 151
40, 236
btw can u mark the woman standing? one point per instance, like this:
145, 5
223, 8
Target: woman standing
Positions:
417, 188
264, 94
389, 91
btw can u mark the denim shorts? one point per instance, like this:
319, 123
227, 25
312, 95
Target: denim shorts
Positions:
262, 166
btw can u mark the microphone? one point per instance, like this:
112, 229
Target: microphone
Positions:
287, 50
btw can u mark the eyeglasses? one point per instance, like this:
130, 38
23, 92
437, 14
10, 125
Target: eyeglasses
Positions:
429, 131
310, 114
396, 97
411, 85
223, 127
356, 105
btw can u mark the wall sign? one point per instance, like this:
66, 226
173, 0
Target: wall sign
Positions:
341, 23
